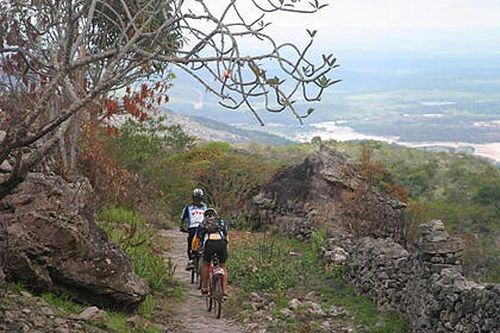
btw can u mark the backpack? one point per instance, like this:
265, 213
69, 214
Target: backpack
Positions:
212, 225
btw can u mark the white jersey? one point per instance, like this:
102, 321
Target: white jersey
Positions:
193, 214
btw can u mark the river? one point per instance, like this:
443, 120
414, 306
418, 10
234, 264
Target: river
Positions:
334, 130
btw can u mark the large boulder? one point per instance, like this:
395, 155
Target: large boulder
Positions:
326, 188
52, 242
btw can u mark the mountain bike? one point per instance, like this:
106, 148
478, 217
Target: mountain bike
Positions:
215, 296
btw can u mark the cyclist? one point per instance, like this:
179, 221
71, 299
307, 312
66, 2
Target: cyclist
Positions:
191, 218
212, 234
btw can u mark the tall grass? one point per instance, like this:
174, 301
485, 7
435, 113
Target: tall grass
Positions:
129, 231
286, 269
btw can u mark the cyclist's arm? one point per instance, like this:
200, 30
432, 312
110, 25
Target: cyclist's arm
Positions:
224, 231
184, 216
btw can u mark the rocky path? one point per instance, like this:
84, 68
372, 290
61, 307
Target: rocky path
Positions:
192, 312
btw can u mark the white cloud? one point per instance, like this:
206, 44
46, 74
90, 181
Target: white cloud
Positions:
452, 25
404, 14
470, 26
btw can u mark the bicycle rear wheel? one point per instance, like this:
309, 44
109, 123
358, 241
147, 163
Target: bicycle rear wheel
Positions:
219, 297
208, 302
208, 298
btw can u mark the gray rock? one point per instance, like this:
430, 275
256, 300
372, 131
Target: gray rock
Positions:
255, 298
337, 311
314, 308
286, 312
320, 189
62, 330
336, 256
47, 311
60, 321
91, 313
294, 303
55, 244
5, 167
433, 231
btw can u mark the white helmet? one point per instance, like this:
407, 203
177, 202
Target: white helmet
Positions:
198, 193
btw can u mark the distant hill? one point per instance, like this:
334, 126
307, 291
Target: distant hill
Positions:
212, 130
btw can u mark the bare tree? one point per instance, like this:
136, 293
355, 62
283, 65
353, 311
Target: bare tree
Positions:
64, 60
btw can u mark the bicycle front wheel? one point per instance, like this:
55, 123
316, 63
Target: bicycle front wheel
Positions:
195, 270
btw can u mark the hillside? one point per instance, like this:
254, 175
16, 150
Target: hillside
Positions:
212, 130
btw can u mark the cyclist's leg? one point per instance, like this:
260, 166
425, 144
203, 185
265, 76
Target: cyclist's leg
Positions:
191, 233
207, 256
204, 276
224, 280
222, 252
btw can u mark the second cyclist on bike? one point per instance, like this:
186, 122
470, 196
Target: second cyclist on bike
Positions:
212, 233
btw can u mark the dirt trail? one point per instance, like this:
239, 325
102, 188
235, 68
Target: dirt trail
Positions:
192, 312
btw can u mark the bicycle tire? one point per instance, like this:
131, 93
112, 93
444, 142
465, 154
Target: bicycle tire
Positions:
208, 298
198, 272
195, 272
219, 297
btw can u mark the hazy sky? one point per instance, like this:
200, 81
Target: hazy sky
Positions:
462, 26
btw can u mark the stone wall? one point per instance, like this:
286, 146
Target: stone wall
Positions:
426, 285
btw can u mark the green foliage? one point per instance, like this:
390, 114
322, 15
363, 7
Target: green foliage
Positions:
19, 286
168, 159
140, 142
489, 194
63, 302
128, 230
148, 306
338, 292
286, 269
262, 265
116, 322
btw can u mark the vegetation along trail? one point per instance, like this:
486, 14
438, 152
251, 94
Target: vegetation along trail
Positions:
192, 312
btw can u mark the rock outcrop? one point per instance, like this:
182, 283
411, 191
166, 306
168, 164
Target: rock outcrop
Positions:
50, 242
326, 187
426, 285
